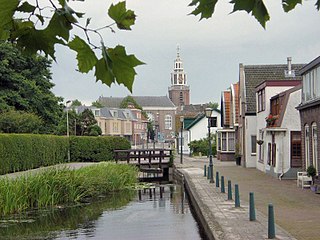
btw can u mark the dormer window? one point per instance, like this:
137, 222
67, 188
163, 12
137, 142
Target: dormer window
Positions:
96, 113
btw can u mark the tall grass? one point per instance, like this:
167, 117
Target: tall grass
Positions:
59, 186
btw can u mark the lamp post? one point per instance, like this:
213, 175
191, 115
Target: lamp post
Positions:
68, 127
181, 122
208, 112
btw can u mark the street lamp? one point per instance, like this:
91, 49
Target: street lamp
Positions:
208, 112
67, 117
181, 121
68, 128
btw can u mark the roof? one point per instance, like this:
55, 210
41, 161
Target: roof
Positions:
315, 62
143, 101
195, 121
194, 109
256, 74
226, 108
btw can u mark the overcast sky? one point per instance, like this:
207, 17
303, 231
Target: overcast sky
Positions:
211, 50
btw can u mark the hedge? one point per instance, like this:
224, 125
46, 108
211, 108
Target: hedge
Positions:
19, 152
96, 149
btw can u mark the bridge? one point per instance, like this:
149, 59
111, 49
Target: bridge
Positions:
153, 163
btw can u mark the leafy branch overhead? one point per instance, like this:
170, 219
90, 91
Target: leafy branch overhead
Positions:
205, 8
34, 28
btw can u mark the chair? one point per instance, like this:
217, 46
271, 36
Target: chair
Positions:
303, 180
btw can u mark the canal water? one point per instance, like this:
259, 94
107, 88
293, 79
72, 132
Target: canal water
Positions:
160, 212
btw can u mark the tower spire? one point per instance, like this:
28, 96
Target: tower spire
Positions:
178, 51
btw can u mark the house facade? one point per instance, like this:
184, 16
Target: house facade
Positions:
309, 109
251, 76
226, 136
278, 128
160, 110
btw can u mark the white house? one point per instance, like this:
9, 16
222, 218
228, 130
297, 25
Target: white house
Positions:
197, 128
251, 76
278, 129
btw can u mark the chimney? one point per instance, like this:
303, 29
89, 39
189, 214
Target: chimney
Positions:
289, 64
289, 72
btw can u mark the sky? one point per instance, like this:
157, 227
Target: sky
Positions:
211, 49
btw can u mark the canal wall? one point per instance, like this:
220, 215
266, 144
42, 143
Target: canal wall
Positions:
211, 227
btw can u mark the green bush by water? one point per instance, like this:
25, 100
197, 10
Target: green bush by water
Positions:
19, 152
59, 186
96, 149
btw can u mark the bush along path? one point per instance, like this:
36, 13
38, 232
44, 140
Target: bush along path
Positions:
60, 186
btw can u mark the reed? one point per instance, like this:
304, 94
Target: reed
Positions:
60, 186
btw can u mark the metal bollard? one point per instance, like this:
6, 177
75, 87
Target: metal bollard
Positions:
222, 184
217, 179
271, 227
236, 196
205, 171
252, 211
208, 175
229, 190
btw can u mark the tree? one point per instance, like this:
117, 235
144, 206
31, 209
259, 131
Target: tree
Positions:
74, 124
20, 122
257, 8
97, 104
213, 105
86, 120
40, 25
76, 103
25, 85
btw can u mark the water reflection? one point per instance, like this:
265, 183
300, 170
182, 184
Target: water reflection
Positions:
160, 212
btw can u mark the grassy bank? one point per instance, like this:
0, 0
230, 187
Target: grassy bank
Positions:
55, 187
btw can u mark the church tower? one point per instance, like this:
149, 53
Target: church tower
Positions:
179, 91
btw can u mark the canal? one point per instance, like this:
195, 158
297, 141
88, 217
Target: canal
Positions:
160, 212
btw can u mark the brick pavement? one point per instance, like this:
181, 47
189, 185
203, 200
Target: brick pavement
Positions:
296, 210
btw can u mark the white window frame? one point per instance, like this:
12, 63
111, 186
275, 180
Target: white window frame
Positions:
307, 145
168, 122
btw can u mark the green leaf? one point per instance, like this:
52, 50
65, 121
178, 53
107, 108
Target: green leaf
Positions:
26, 7
124, 18
103, 73
116, 66
7, 9
288, 5
203, 7
318, 5
38, 40
85, 56
21, 28
256, 7
59, 25
123, 66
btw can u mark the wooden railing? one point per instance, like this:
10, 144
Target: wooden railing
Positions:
144, 157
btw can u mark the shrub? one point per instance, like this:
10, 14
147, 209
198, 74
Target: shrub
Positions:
19, 152
96, 149
202, 146
20, 122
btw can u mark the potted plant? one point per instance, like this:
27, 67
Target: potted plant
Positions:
311, 172
271, 119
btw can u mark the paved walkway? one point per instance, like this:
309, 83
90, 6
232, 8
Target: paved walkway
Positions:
297, 211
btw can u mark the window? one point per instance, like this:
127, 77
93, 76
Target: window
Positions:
224, 141
231, 142
219, 141
181, 97
275, 106
253, 144
150, 116
307, 146
96, 113
314, 145
168, 122
296, 156
311, 85
261, 100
